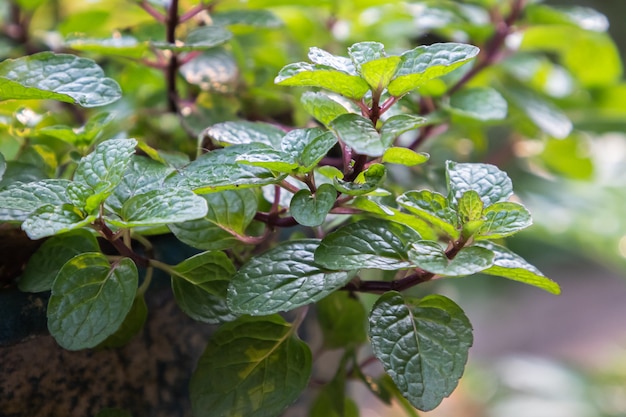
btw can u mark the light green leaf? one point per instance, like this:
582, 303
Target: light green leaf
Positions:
569, 157
199, 39
265, 157
303, 74
363, 52
255, 18
358, 133
427, 62
545, 115
481, 103
431, 207
378, 73
51, 220
367, 244
282, 279
200, 286
366, 182
487, 180
125, 45
430, 256
253, 367
512, 266
342, 319
62, 77
219, 170
160, 207
322, 107
104, 168
44, 265
404, 156
326, 59
503, 219
311, 210
470, 207
245, 132
583, 17
423, 345
130, 327
399, 124
90, 299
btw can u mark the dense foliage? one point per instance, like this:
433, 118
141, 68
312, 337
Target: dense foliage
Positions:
293, 197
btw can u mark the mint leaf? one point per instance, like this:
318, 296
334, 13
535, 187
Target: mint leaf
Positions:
399, 124
544, 114
503, 219
512, 266
266, 157
430, 256
199, 39
404, 156
27, 197
363, 52
358, 133
124, 45
322, 107
90, 299
303, 74
470, 207
253, 367
481, 103
232, 209
324, 58
366, 182
159, 207
427, 62
104, 168
203, 234
62, 77
130, 327
44, 265
378, 73
311, 210
51, 220
423, 345
367, 244
245, 132
307, 147
281, 279
213, 70
342, 319
431, 207
487, 180
254, 18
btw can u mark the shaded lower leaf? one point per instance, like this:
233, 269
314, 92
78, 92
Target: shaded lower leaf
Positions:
281, 279
342, 319
399, 124
311, 210
431, 207
366, 182
423, 345
253, 367
131, 326
203, 234
90, 299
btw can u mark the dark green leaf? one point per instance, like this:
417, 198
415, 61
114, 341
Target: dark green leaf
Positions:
265, 157
201, 304
431, 207
404, 156
367, 244
325, 405
232, 209
423, 345
44, 265
430, 256
104, 168
90, 299
244, 132
307, 146
512, 266
30, 196
133, 324
342, 319
487, 180
503, 219
203, 234
303, 74
481, 103
322, 107
358, 133
366, 182
62, 77
281, 279
51, 220
255, 18
311, 210
399, 124
427, 62
253, 367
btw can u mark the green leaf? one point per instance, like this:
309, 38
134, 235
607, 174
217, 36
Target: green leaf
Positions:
265, 157
104, 168
431, 207
245, 132
378, 73
367, 244
303, 74
569, 157
130, 327
503, 219
199, 39
358, 133
470, 207
90, 299
125, 45
159, 207
332, 402
62, 77
404, 156
342, 319
512, 266
200, 284
430, 256
232, 209
27, 197
427, 62
583, 17
44, 265
307, 146
3, 165
363, 52
366, 182
282, 279
203, 234
481, 103
324, 58
423, 345
545, 115
399, 124
322, 107
253, 367
213, 70
487, 180
51, 220
219, 170
255, 18
311, 210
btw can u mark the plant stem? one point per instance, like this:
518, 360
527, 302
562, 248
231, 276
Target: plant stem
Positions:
119, 245
172, 22
157, 15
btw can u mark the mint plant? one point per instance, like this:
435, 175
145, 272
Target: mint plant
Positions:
285, 219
